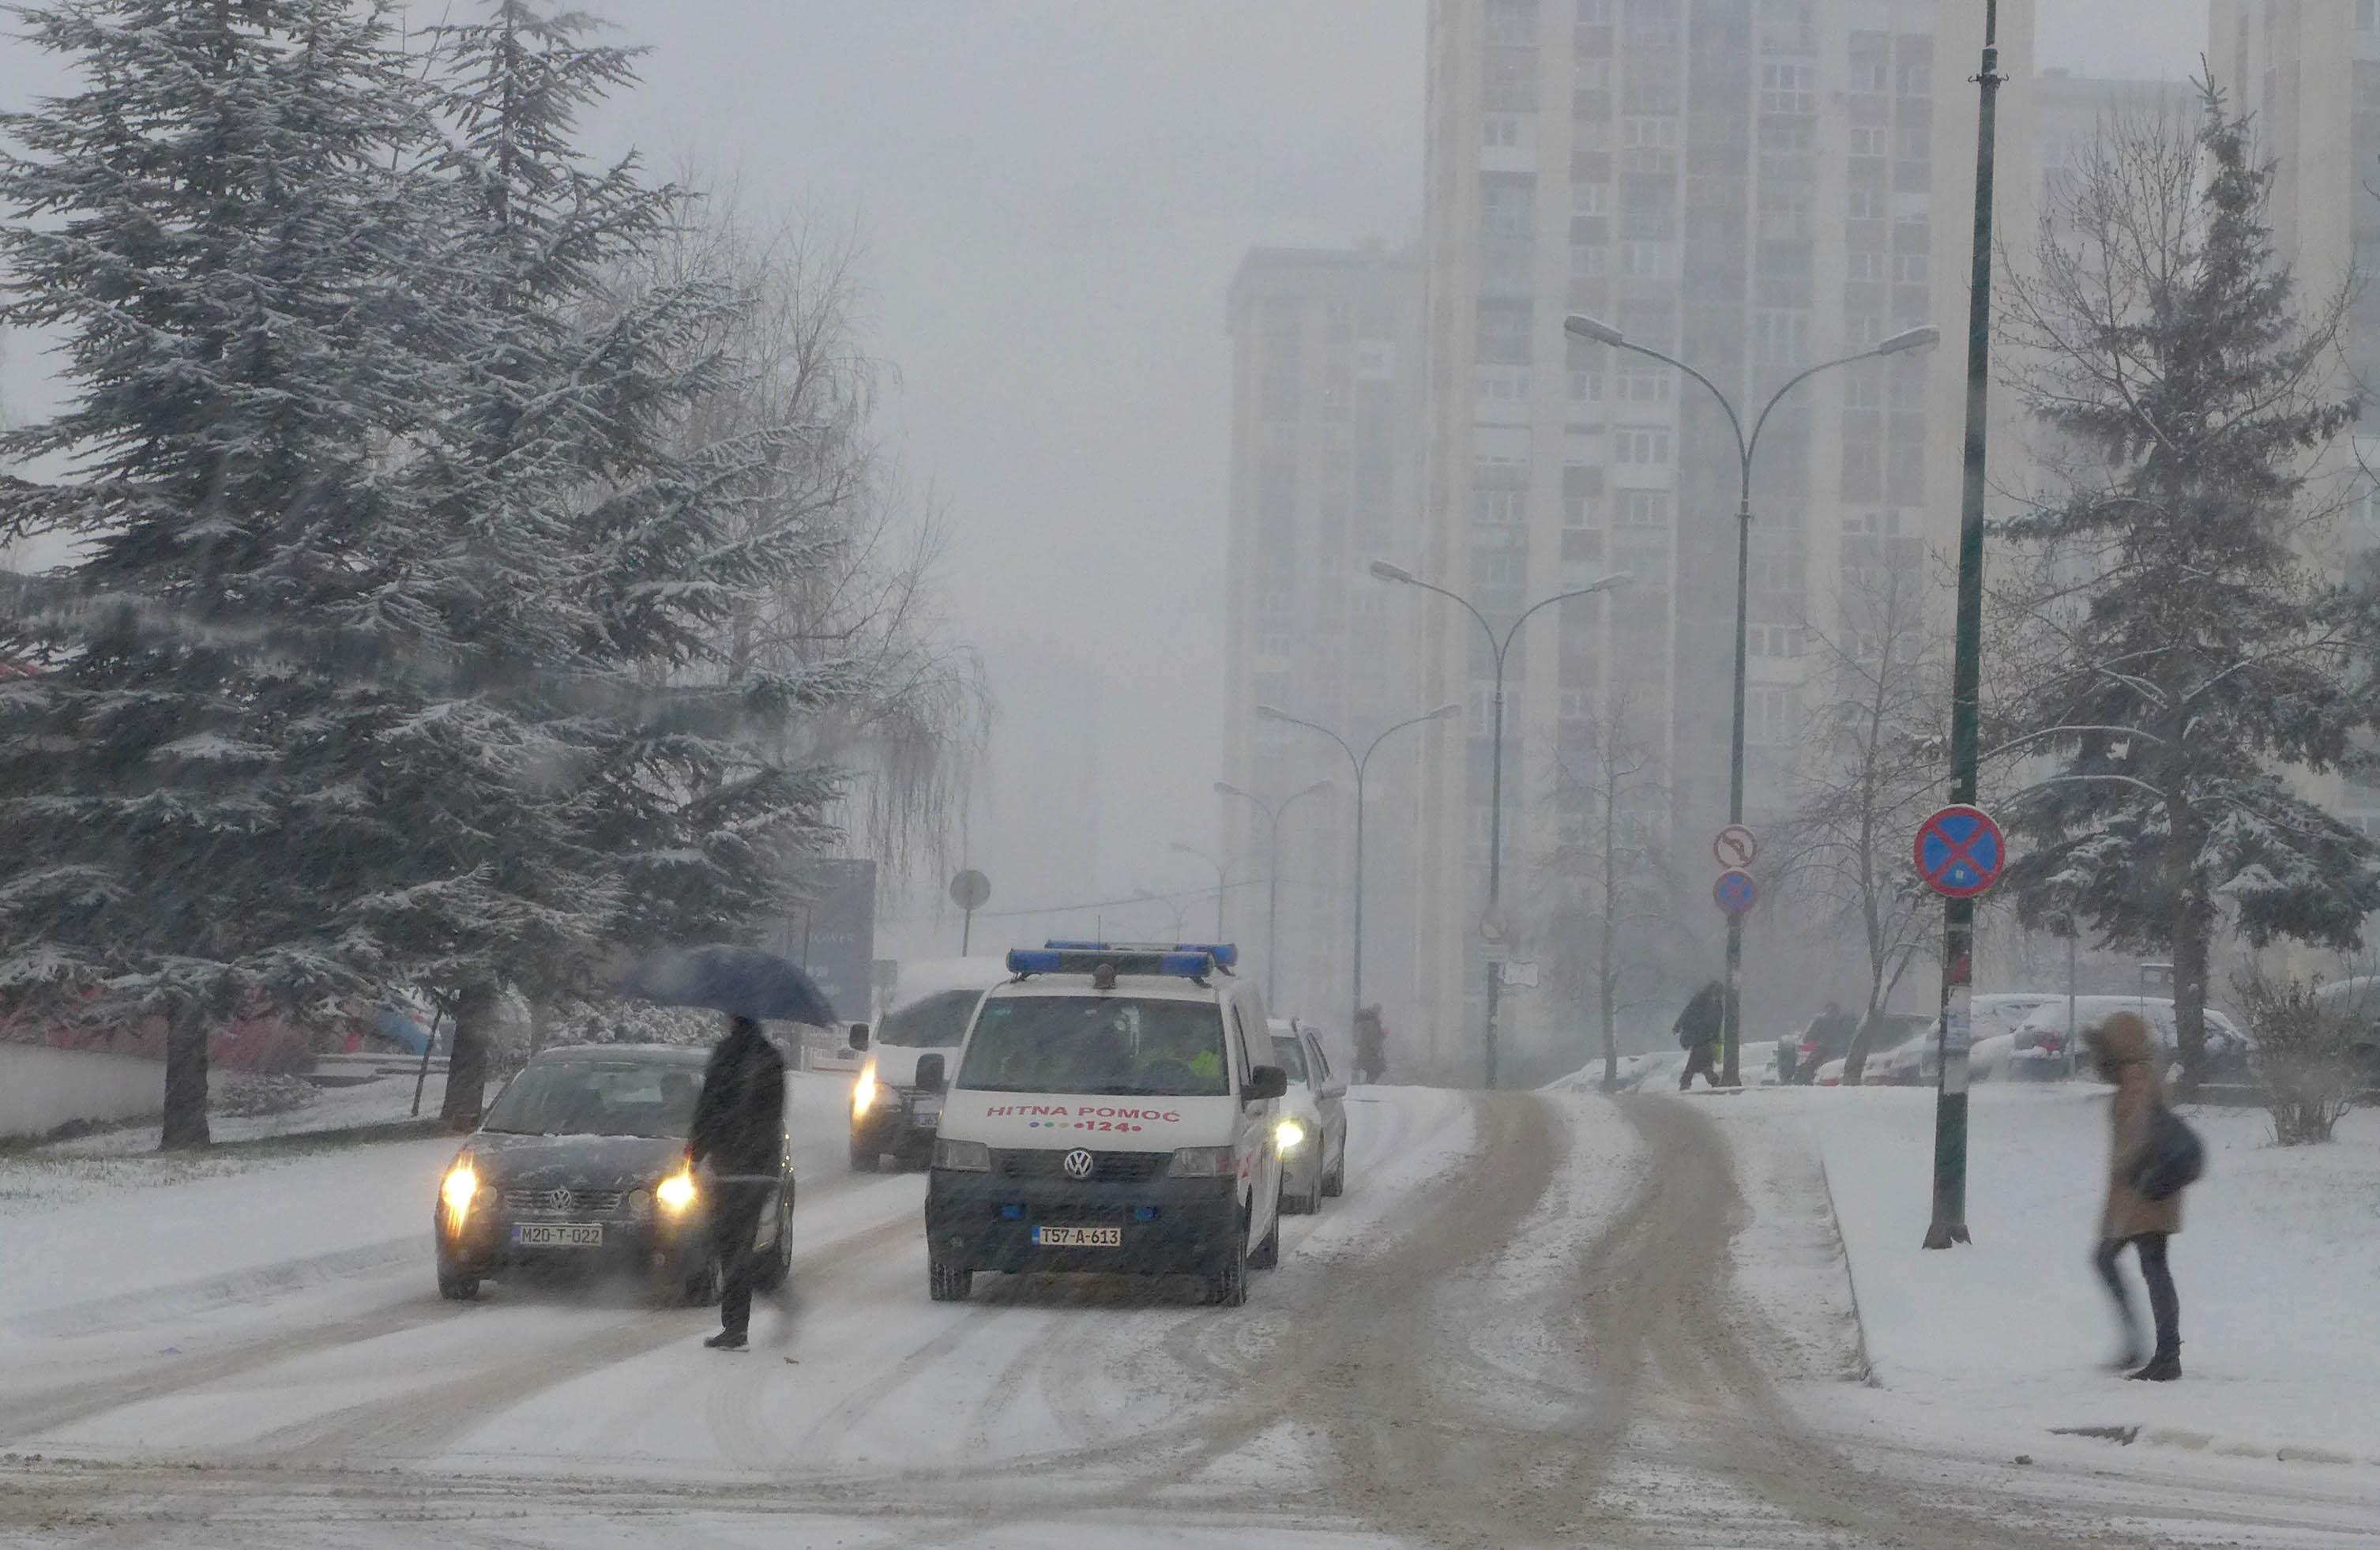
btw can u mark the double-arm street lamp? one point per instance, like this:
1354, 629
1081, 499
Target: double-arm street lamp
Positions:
1221, 887
1926, 337
1272, 812
1500, 647
1362, 763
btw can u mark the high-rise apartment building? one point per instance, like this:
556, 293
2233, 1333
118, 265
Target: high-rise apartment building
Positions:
1325, 390
1754, 187
2308, 73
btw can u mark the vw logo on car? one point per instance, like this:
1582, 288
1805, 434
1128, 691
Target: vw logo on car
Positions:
1078, 1164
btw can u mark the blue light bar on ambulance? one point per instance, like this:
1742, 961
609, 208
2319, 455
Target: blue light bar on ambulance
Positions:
1225, 954
1085, 957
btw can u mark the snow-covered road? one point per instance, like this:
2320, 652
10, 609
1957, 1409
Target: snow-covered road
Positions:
1522, 1326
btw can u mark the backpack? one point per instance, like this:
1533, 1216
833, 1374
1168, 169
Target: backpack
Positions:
2173, 1161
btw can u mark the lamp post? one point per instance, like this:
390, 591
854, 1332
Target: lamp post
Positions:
1362, 763
1221, 886
1923, 337
1387, 572
1272, 812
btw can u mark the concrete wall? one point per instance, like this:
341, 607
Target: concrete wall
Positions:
42, 1089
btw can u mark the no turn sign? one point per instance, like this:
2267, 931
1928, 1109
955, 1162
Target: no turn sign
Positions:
1735, 848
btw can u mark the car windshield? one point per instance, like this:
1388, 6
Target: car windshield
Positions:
932, 1022
1289, 1054
1107, 1044
598, 1098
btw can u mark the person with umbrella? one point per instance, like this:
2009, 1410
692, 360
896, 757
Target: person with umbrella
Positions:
738, 1130
739, 1119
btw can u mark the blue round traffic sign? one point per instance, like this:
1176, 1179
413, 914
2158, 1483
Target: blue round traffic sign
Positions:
1960, 851
1735, 893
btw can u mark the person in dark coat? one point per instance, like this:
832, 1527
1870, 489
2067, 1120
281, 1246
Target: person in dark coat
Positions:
1371, 1045
739, 1130
2127, 1057
1698, 1029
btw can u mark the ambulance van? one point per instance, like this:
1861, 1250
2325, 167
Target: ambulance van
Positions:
1112, 1109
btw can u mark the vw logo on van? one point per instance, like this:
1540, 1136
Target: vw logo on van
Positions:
1078, 1164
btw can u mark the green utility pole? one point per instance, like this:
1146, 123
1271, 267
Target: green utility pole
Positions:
1950, 1224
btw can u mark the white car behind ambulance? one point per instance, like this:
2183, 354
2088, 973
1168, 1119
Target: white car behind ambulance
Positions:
1113, 1110
891, 1114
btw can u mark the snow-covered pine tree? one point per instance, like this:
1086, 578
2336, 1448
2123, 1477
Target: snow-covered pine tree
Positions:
2194, 655
574, 465
210, 225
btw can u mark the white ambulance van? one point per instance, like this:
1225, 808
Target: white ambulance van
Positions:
1113, 1110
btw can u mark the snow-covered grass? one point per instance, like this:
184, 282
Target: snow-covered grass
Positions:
2276, 1266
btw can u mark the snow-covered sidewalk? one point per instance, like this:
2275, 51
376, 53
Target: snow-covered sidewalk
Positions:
2278, 1266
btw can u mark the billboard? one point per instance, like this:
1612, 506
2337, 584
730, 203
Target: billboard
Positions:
834, 935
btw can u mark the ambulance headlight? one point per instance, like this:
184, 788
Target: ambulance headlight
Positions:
963, 1156
1205, 1161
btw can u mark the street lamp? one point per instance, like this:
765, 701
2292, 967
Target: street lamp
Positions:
1362, 762
1923, 337
1221, 886
1387, 572
1272, 812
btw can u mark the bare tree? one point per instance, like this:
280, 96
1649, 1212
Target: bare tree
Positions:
1868, 772
1612, 875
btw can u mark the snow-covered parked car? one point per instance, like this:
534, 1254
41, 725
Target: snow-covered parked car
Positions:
2038, 1048
1916, 1060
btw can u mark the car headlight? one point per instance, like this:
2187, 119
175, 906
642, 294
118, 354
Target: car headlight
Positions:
1289, 1135
963, 1156
1205, 1161
864, 1091
459, 1189
676, 1192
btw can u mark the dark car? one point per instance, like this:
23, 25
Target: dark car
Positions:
580, 1166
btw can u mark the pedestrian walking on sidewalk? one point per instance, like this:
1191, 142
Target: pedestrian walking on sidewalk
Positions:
1371, 1045
1698, 1029
739, 1130
2142, 1210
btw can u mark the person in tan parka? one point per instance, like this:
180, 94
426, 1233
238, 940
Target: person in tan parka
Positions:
2127, 1056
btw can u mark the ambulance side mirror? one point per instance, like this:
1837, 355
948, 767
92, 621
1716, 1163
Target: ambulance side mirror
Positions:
932, 1073
1264, 1082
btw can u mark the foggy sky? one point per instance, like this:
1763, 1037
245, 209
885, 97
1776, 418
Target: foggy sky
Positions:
1051, 199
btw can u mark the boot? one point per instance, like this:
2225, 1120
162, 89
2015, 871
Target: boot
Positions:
2165, 1366
730, 1340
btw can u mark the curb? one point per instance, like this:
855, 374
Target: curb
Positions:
2206, 1441
1851, 1278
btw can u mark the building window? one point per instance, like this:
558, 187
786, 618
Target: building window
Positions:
1499, 130
1497, 508
1867, 75
1781, 338
1641, 446
1590, 199
1771, 713
1864, 204
1595, 13
1512, 23
1589, 262
2367, 16
1501, 446
1910, 269
1640, 508
1917, 80
1859, 264
1643, 384
1780, 640
1594, 75
1916, 146
1648, 261
1508, 204
1786, 89
1586, 387
1867, 139
1640, 133
1652, 23
1504, 332
1502, 384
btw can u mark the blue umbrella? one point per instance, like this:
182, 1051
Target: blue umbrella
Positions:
743, 982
